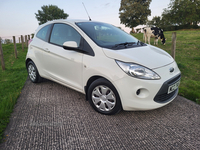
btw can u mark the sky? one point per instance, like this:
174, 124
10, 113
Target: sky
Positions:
17, 17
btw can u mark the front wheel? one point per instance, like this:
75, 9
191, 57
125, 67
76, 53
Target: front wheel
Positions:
33, 72
103, 97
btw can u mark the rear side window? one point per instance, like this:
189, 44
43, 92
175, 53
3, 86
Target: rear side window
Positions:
42, 33
62, 33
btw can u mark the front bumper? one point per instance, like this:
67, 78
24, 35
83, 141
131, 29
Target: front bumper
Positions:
162, 96
138, 94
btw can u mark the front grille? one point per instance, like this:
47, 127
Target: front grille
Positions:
174, 79
162, 96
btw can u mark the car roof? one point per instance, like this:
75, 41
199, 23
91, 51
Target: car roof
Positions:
70, 21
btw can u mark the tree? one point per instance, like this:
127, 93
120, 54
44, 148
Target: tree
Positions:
182, 12
156, 21
50, 12
134, 12
166, 18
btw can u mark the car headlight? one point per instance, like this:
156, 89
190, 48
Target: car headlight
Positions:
138, 71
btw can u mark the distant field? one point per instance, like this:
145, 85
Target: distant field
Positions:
187, 58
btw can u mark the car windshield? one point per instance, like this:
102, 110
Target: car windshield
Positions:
108, 36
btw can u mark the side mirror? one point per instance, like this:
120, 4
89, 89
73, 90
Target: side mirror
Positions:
70, 44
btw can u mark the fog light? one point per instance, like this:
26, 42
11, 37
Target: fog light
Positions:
142, 93
138, 92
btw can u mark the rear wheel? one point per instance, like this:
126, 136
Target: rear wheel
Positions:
33, 72
103, 97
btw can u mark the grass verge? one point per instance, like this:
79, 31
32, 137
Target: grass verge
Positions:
187, 58
11, 82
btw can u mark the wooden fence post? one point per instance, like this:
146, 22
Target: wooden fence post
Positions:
15, 48
26, 41
173, 44
28, 37
22, 40
1, 57
19, 39
32, 35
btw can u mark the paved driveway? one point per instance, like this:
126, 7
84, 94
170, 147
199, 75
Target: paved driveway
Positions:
51, 116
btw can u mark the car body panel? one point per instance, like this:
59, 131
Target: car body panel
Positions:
144, 56
144, 101
35, 53
58, 64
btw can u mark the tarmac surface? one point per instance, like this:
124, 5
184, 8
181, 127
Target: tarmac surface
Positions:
50, 116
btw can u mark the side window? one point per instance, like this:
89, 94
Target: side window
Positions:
42, 33
62, 33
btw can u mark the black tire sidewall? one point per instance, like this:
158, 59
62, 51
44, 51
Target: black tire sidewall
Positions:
101, 81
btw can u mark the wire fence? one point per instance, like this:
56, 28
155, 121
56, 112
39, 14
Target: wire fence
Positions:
5, 39
14, 39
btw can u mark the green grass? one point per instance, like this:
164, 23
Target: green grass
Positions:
11, 82
187, 58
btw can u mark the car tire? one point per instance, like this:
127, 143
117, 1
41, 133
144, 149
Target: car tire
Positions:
103, 97
33, 72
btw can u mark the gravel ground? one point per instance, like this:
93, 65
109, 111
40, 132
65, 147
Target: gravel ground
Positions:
51, 116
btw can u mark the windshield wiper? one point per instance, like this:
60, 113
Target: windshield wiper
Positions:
140, 43
124, 44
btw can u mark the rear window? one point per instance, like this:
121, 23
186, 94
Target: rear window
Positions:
42, 33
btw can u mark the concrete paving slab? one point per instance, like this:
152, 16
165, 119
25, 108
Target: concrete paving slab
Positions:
51, 116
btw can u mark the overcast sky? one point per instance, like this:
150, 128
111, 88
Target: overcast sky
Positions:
17, 17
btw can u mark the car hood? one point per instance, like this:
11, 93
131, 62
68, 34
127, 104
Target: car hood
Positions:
149, 56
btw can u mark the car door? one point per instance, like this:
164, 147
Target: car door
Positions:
61, 65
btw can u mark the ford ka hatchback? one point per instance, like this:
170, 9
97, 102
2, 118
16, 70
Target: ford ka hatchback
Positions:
112, 68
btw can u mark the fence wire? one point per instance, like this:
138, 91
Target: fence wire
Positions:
17, 38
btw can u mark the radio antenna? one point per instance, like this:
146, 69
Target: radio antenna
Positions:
86, 11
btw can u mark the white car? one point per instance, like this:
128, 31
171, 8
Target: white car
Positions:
112, 68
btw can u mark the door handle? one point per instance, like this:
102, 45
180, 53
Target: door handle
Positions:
47, 50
